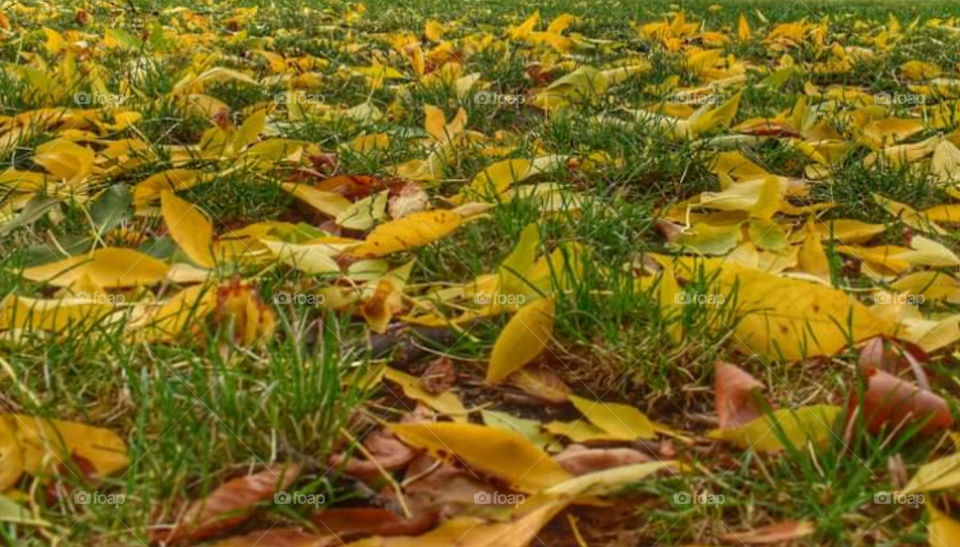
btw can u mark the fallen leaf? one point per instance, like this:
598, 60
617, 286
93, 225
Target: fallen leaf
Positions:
504, 454
228, 505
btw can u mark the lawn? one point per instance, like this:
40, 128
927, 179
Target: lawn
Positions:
479, 273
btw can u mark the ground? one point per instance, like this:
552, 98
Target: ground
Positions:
642, 273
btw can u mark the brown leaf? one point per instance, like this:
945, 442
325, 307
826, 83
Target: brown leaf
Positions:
439, 376
388, 450
278, 537
580, 460
775, 533
736, 401
353, 522
440, 487
889, 399
542, 384
230, 504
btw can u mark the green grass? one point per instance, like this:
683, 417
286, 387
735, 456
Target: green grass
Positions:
204, 409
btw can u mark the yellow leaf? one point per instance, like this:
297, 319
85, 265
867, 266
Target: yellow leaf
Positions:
171, 179
312, 259
579, 431
933, 285
363, 214
624, 422
328, 203
942, 530
167, 320
743, 28
65, 160
11, 459
949, 213
55, 315
937, 475
530, 429
800, 426
446, 403
108, 268
42, 443
189, 228
606, 481
522, 339
789, 318
465, 531
812, 259
403, 234
498, 177
891, 130
501, 453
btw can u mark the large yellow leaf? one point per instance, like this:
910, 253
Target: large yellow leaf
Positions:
108, 268
502, 453
189, 228
406, 233
800, 426
522, 339
794, 319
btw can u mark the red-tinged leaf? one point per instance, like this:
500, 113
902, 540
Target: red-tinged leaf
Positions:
354, 522
279, 537
439, 376
769, 128
230, 504
353, 187
775, 533
735, 393
891, 400
388, 450
580, 460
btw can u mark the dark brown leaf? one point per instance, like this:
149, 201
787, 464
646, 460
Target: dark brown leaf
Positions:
230, 504
353, 522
